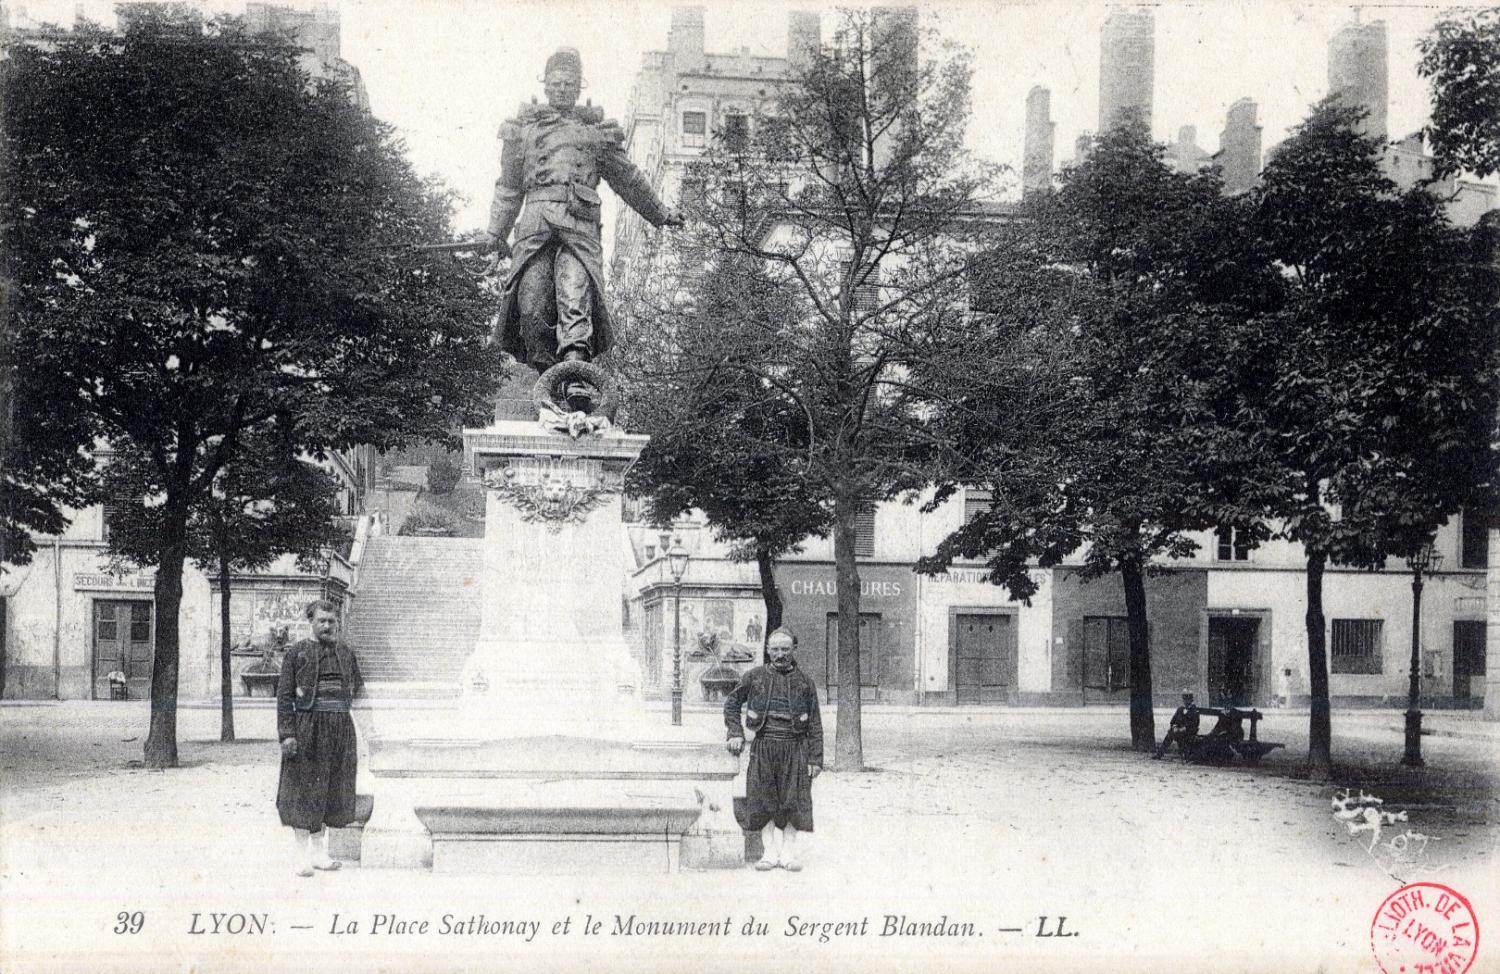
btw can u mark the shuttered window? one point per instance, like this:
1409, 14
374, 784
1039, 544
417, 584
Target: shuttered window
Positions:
1474, 541
864, 533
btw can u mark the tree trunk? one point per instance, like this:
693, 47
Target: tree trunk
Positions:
1320, 727
848, 753
226, 681
161, 741
1142, 720
770, 594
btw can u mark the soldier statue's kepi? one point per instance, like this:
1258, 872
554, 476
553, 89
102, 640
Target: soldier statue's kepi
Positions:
552, 158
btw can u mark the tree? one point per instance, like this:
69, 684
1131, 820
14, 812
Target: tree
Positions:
856, 196
709, 434
1373, 402
1461, 59
229, 253
443, 475
263, 504
1124, 279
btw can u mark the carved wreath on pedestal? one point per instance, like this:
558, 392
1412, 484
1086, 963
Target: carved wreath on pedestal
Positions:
554, 502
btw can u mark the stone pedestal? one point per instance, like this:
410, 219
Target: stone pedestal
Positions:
551, 763
551, 640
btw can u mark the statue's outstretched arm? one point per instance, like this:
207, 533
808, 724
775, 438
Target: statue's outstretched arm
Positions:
627, 180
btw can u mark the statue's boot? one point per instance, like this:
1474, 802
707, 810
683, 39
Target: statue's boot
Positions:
581, 396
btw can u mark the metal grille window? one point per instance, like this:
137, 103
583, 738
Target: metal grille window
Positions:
1357, 646
976, 502
1233, 545
694, 129
864, 533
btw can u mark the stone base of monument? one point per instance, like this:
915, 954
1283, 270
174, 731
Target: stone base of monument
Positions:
562, 827
553, 804
550, 763
345, 844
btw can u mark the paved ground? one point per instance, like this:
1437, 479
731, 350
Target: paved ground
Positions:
991, 817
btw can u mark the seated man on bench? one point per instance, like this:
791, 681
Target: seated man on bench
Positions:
1183, 730
1222, 742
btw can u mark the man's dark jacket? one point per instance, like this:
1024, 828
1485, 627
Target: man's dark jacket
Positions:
753, 693
297, 686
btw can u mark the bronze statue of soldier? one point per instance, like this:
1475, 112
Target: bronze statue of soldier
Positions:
551, 161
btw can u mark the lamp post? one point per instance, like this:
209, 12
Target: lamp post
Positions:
677, 559
1426, 559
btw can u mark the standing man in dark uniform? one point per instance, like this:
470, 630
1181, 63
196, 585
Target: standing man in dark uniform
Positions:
552, 158
319, 681
780, 707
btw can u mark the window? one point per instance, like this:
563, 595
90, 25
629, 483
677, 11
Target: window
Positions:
1233, 545
1473, 548
1357, 646
864, 533
694, 128
693, 189
114, 509
976, 502
1106, 652
736, 132
866, 296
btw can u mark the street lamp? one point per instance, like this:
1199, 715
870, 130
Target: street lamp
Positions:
1426, 559
677, 559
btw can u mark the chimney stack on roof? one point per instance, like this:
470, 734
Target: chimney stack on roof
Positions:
1357, 72
1036, 165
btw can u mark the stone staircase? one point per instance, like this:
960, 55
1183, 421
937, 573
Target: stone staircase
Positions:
415, 615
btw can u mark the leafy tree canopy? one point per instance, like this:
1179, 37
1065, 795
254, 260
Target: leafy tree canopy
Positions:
205, 244
1461, 59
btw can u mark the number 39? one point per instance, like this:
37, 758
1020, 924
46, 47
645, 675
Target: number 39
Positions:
129, 922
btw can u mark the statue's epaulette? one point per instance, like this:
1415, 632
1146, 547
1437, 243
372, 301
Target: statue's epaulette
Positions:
511, 127
610, 130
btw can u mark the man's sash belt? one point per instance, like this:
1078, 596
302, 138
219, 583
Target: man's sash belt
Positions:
553, 192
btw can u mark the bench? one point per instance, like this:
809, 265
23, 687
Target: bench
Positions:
1250, 749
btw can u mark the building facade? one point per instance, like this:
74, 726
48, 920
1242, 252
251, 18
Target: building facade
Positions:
1227, 624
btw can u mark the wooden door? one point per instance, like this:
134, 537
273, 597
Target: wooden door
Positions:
123, 641
984, 658
1233, 670
869, 654
1468, 660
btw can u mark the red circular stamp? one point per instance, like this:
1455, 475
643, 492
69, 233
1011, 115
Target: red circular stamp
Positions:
1424, 928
